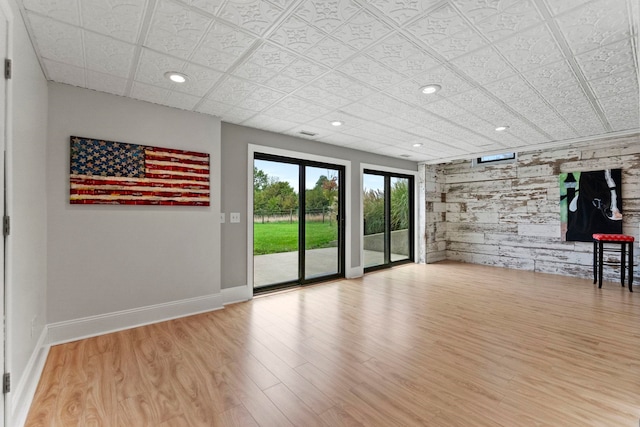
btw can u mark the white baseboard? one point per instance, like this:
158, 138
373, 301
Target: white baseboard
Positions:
236, 294
354, 272
86, 327
20, 399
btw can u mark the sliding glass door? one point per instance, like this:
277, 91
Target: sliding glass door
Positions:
388, 207
298, 230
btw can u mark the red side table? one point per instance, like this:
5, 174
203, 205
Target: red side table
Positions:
625, 242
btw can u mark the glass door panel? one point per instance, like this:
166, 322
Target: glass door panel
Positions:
321, 226
374, 215
289, 249
400, 219
275, 222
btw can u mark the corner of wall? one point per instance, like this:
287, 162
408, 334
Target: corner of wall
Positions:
26, 387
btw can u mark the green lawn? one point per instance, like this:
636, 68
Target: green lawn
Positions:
273, 237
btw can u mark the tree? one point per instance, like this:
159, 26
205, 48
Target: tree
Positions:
280, 196
260, 179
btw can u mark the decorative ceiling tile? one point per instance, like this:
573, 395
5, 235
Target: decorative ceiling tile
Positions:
608, 60
330, 52
383, 102
296, 34
565, 96
622, 111
254, 72
445, 109
182, 101
253, 15
281, 113
484, 66
199, 80
459, 44
152, 66
57, 41
175, 29
106, 83
511, 21
438, 25
404, 10
64, 73
327, 14
530, 49
364, 112
107, 55
371, 72
211, 7
323, 97
477, 10
269, 124
271, 57
313, 109
595, 25
339, 84
120, 19
409, 91
615, 85
401, 55
284, 83
233, 90
303, 70
362, 30
238, 115
508, 89
62, 10
224, 38
212, 58
551, 76
214, 108
560, 6
265, 95
145, 92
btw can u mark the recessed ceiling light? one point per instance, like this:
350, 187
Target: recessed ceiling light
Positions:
405, 155
429, 89
176, 77
337, 123
501, 128
417, 144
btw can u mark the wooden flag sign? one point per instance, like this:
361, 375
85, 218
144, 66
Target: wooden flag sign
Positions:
107, 172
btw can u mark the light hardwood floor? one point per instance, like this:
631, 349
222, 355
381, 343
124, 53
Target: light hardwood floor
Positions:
444, 344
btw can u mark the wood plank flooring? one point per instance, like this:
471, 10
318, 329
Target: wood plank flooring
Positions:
444, 344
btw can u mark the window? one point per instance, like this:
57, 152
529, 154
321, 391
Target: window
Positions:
495, 158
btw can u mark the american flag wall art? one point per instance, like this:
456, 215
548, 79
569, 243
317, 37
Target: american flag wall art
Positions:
108, 172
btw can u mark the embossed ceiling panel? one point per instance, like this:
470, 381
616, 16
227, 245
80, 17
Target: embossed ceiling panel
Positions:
552, 70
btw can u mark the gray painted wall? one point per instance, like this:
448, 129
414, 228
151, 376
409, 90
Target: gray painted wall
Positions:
104, 259
26, 204
235, 141
509, 215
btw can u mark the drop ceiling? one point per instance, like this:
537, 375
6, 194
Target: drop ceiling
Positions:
553, 71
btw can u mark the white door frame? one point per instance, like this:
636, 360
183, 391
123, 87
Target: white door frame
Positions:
5, 133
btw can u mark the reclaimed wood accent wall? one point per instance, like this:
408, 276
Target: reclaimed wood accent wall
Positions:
509, 215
